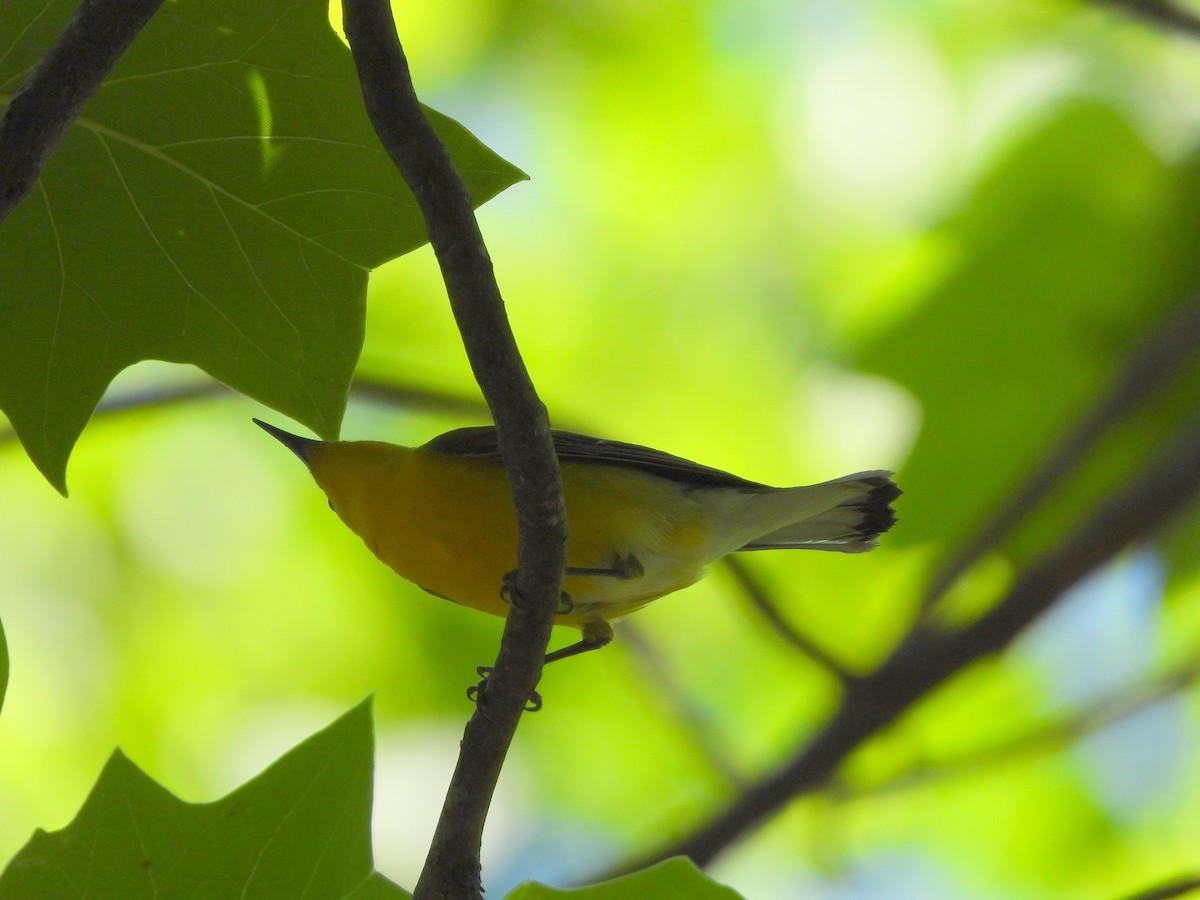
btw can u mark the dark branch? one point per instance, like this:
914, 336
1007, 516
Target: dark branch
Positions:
55, 92
928, 657
1167, 351
452, 867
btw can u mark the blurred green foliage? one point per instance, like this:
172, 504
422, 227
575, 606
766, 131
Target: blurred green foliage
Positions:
789, 239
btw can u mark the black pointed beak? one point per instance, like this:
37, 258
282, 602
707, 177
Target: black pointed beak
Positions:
301, 446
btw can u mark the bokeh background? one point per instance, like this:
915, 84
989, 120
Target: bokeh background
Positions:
789, 239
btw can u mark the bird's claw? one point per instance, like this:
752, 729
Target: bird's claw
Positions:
477, 693
508, 587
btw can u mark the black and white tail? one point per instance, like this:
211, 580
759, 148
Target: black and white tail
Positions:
847, 515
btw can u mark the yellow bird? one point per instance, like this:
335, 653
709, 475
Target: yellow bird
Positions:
641, 523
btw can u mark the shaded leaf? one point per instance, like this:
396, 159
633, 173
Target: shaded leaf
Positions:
300, 829
220, 202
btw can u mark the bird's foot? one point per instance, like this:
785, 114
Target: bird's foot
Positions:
477, 693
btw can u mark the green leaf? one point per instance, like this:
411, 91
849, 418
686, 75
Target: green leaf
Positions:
300, 829
220, 202
672, 879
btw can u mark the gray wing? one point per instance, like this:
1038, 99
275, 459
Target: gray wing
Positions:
481, 443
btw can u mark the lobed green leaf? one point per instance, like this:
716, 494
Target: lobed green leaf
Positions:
302, 828
672, 879
220, 202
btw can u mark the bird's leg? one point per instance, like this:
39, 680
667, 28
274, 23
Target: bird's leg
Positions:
477, 693
622, 567
596, 634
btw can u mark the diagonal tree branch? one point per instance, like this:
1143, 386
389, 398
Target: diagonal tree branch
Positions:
928, 657
54, 94
760, 598
1178, 887
452, 869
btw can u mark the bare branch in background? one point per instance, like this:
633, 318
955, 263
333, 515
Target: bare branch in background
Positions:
407, 396
60, 85
1177, 887
389, 393
1047, 739
1162, 355
760, 598
1162, 13
710, 743
452, 869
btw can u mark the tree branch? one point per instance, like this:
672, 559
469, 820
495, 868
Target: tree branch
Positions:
1177, 887
452, 869
387, 393
927, 657
55, 92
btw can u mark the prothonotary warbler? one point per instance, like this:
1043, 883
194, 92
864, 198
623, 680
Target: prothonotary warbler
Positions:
641, 523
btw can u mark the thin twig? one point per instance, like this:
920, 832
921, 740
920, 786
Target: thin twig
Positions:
710, 743
452, 868
1176, 887
55, 92
928, 657
1162, 355
1047, 739
408, 396
1162, 13
760, 598
389, 393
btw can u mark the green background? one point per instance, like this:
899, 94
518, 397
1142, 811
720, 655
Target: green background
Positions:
792, 240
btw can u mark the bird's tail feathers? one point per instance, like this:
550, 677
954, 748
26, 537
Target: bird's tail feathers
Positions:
847, 514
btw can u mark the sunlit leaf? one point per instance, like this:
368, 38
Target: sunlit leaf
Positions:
220, 202
300, 829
